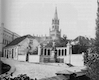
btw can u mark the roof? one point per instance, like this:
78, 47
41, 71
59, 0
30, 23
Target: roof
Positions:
18, 40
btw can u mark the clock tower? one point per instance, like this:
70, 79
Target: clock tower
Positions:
55, 33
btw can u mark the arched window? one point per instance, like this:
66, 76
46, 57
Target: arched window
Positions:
56, 52
62, 52
45, 52
59, 52
48, 52
65, 52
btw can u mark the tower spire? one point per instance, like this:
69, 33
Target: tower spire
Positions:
56, 15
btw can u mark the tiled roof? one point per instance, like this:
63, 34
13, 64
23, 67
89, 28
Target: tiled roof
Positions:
18, 40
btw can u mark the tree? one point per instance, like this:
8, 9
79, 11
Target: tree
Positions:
97, 30
61, 42
91, 58
97, 27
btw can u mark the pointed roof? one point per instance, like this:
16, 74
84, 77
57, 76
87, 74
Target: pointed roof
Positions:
56, 15
18, 40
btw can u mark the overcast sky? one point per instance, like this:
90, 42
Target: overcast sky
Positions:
77, 17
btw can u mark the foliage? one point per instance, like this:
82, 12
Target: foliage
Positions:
77, 49
91, 60
97, 29
61, 42
19, 77
81, 46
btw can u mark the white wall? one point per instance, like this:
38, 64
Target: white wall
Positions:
34, 58
22, 57
77, 59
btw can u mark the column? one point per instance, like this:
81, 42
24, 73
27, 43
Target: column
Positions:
39, 50
13, 53
17, 51
64, 52
4, 53
68, 53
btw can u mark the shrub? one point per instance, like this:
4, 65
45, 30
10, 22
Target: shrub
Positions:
91, 60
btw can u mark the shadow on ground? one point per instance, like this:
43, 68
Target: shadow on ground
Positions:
4, 68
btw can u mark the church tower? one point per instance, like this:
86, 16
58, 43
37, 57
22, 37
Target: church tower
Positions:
55, 34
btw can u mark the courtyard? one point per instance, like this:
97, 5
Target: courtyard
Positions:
38, 70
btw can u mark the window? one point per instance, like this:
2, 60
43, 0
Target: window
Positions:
59, 52
45, 52
31, 41
48, 52
5, 53
65, 52
62, 52
12, 53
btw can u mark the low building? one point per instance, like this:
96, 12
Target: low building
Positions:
19, 48
27, 48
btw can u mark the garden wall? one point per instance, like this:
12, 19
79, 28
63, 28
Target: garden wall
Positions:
34, 58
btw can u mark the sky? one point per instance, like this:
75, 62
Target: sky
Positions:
77, 17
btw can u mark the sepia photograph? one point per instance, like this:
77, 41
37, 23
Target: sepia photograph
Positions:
49, 39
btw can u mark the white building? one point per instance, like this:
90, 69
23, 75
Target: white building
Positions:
6, 36
19, 47
18, 50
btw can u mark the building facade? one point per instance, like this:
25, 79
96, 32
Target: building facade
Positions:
6, 36
19, 51
19, 47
